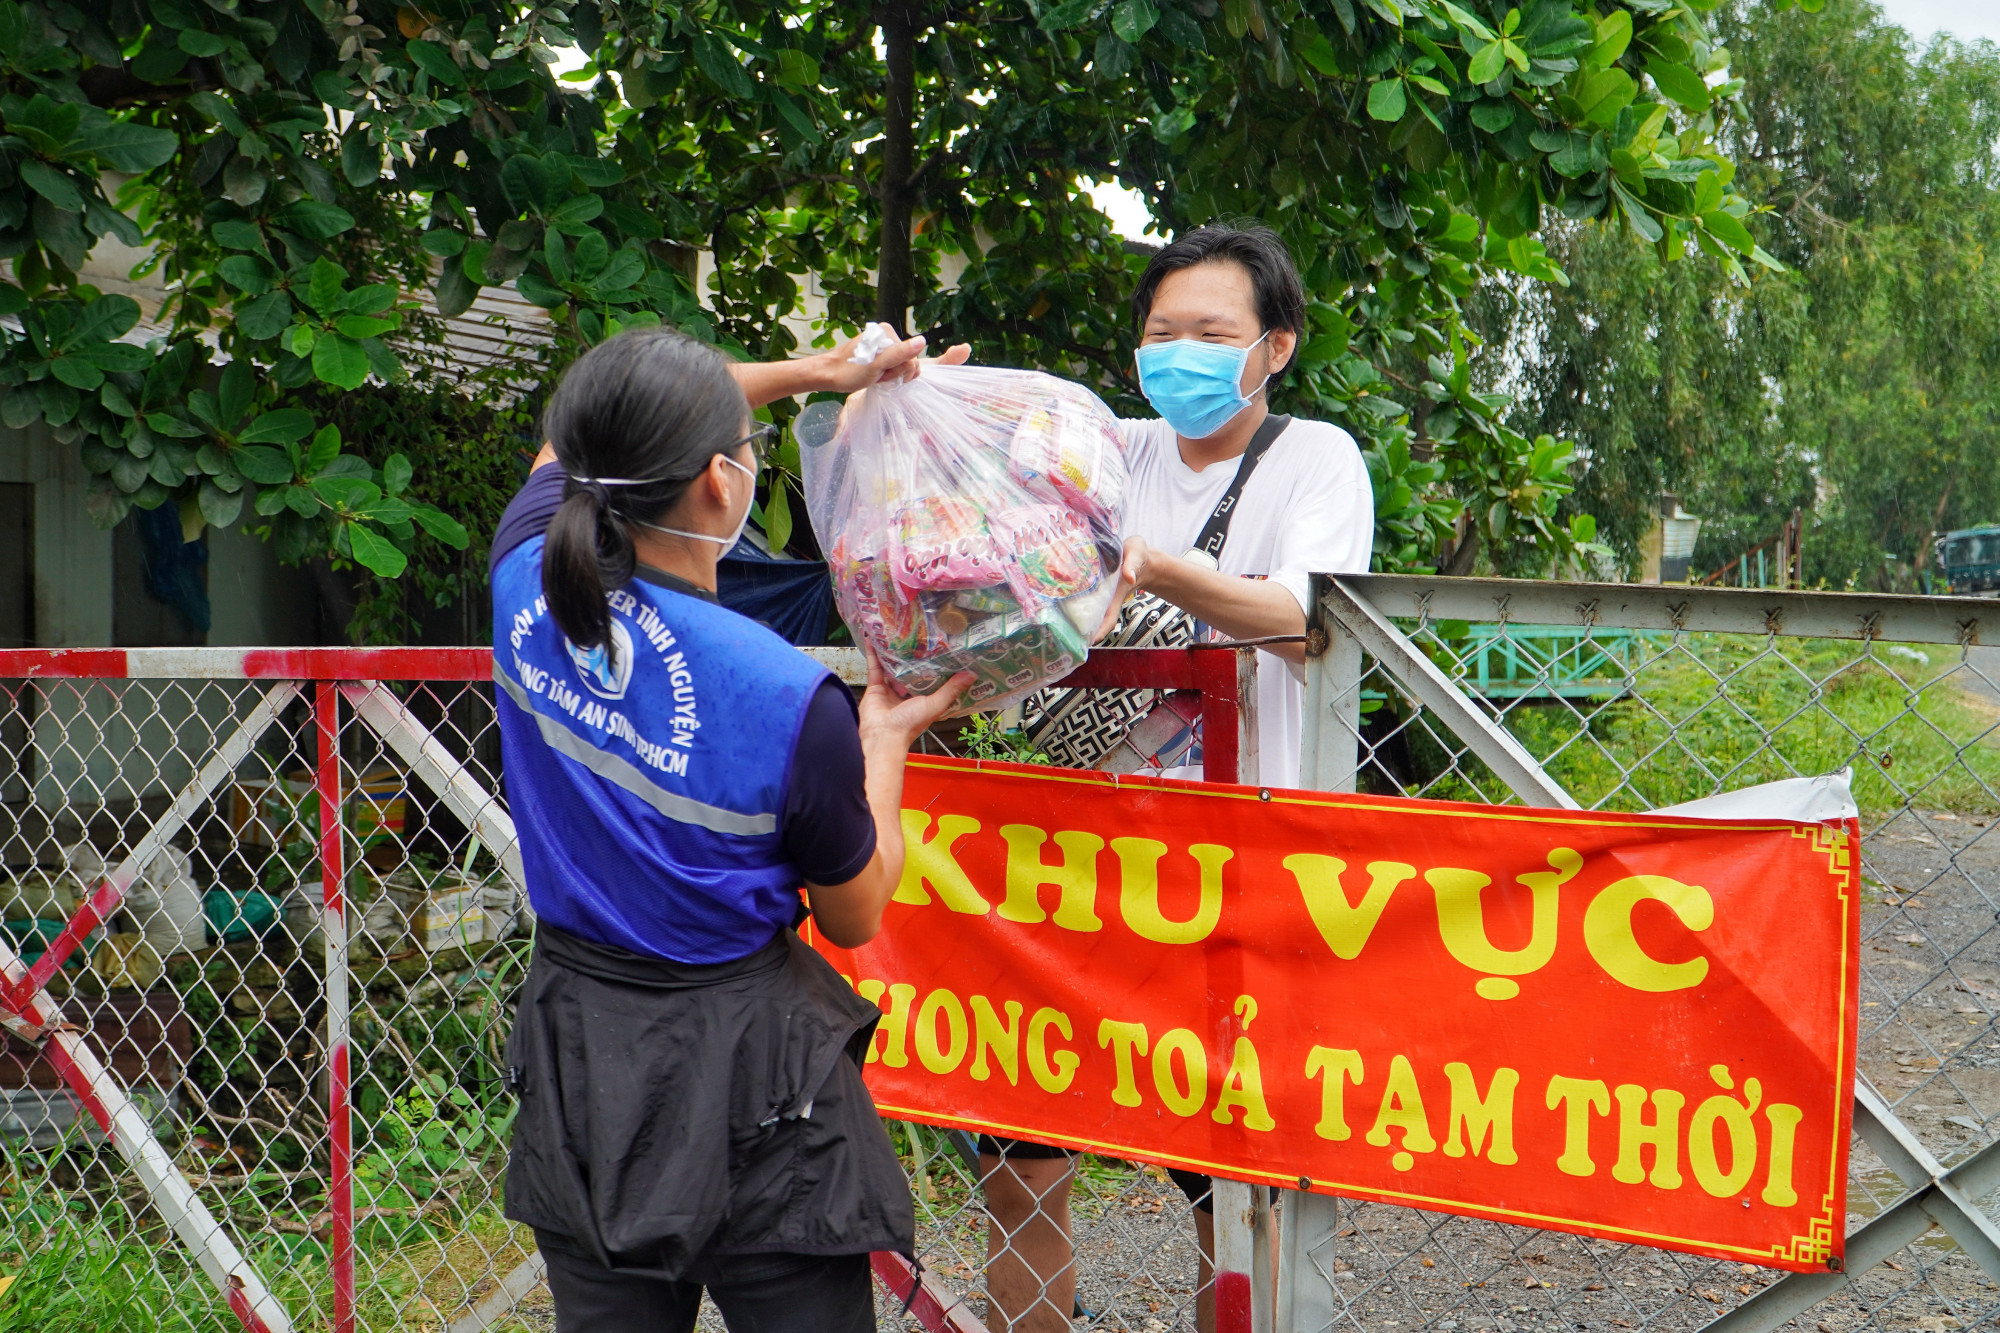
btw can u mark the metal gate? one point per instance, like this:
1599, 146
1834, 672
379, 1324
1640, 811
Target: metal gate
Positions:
1721, 689
261, 929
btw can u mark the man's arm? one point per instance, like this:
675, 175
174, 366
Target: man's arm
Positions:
1327, 526
1241, 608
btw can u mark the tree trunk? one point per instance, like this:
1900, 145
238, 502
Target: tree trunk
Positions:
1464, 555
1937, 521
894, 278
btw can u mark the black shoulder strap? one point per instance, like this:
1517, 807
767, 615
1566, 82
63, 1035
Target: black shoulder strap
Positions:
1216, 531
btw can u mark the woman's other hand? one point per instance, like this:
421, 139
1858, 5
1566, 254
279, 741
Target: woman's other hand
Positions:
850, 914
893, 719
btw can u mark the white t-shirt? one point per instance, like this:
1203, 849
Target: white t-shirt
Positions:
1307, 509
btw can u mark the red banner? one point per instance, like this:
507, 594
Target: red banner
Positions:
1631, 1026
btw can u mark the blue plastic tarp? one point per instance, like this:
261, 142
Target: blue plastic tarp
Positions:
793, 597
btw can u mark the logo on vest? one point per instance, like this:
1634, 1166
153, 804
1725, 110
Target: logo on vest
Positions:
605, 674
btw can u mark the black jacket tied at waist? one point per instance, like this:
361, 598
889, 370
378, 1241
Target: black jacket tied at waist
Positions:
671, 1111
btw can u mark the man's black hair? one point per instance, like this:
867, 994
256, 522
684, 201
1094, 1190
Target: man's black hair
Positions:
1274, 279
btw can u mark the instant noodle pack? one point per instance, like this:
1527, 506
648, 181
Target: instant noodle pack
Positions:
970, 518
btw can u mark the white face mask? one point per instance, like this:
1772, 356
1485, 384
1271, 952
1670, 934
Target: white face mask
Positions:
724, 542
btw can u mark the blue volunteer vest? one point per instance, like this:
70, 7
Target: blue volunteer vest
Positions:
647, 784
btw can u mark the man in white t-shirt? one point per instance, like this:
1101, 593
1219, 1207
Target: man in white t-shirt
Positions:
1220, 313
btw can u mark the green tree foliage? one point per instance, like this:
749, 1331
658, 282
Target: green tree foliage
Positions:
306, 169
1860, 385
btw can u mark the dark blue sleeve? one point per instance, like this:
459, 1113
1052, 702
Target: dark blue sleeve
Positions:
828, 831
529, 513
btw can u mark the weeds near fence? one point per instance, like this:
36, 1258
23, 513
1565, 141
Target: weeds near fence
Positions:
1706, 713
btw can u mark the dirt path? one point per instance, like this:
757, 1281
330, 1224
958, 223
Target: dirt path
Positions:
1982, 678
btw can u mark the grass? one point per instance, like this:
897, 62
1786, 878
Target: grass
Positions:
87, 1275
1709, 713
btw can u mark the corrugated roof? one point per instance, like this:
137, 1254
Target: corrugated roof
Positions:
500, 329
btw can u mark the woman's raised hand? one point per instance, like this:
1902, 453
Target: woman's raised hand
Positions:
899, 361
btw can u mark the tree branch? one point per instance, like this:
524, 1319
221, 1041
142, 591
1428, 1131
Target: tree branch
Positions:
895, 277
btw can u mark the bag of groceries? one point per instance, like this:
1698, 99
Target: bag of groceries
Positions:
970, 519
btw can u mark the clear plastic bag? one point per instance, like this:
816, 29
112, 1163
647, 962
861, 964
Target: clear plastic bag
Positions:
970, 518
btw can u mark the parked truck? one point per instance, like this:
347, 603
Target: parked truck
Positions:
1970, 561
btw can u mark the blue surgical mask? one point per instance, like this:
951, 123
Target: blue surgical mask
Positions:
1195, 385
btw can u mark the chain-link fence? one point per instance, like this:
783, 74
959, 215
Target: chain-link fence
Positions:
1636, 698
213, 986
317, 1103
218, 988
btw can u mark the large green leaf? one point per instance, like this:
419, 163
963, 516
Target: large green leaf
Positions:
435, 61
538, 290
578, 208
262, 464
396, 473
1131, 20
455, 292
360, 160
376, 552
365, 326
1614, 34
346, 492
76, 372
247, 272
441, 526
109, 316
796, 69
286, 425
625, 268
1680, 83
266, 317
52, 185
234, 234
1386, 99
314, 220
1729, 230
324, 287
718, 61
369, 300
220, 507
339, 361
1486, 63
124, 146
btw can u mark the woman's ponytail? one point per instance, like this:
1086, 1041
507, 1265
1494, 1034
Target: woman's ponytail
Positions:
646, 410
588, 553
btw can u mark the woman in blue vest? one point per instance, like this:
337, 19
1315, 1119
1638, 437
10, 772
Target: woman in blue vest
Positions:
692, 1111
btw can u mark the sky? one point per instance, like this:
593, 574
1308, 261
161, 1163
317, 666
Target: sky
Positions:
1967, 20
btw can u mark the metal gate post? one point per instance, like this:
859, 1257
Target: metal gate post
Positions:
1242, 1263
339, 1127
1329, 760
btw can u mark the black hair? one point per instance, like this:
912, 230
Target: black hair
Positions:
1274, 279
650, 405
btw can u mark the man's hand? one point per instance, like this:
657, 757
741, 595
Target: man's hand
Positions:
1132, 569
840, 373
888, 718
